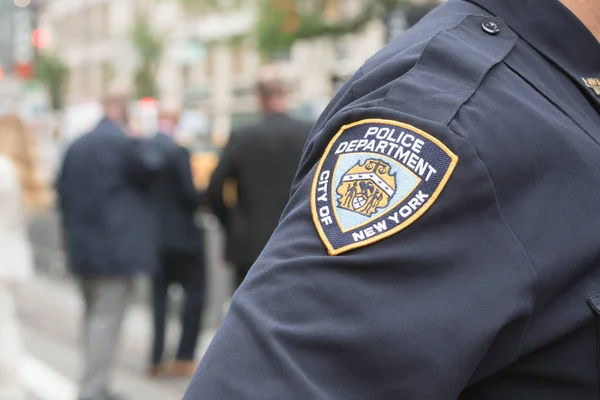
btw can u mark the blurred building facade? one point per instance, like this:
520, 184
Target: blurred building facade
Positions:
209, 61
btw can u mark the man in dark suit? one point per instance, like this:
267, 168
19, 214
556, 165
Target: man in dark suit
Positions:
109, 224
181, 251
260, 161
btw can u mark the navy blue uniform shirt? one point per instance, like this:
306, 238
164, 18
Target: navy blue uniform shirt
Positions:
442, 240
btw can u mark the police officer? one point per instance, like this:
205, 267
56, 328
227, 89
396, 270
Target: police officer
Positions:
476, 275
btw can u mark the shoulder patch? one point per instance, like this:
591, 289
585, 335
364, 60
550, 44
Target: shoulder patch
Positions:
375, 179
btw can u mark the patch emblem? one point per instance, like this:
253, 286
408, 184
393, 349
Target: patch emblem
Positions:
593, 83
376, 178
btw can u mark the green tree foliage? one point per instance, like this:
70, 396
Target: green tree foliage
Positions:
53, 74
282, 22
212, 5
149, 46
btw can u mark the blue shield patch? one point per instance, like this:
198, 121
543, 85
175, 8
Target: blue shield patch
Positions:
376, 178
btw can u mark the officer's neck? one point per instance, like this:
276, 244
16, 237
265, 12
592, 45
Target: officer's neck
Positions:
588, 12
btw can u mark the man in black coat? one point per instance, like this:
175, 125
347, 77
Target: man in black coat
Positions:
181, 252
109, 222
260, 161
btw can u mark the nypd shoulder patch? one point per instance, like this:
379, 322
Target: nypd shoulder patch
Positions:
376, 178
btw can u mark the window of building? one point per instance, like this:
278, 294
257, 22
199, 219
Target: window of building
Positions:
71, 28
86, 83
238, 53
87, 26
211, 59
186, 76
104, 20
282, 55
107, 74
342, 48
74, 80
143, 5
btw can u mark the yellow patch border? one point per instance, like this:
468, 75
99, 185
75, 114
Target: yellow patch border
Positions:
333, 193
405, 224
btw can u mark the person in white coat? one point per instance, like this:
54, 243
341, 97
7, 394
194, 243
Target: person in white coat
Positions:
20, 193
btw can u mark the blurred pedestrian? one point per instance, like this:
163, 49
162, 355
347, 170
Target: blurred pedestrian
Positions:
260, 162
181, 251
109, 221
20, 192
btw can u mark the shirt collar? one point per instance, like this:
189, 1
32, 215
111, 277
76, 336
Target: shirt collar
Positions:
553, 30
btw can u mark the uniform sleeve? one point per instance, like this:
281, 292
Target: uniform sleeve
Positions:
421, 314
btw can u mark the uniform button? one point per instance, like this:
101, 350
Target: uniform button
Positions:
490, 27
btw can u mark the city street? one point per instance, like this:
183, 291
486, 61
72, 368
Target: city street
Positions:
50, 313
50, 309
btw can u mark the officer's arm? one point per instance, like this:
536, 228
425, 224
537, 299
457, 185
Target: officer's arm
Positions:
433, 299
226, 169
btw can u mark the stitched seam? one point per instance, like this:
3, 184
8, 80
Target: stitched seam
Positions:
426, 95
514, 235
445, 76
360, 75
553, 103
419, 67
598, 348
480, 80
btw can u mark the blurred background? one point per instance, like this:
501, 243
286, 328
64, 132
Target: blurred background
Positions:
58, 58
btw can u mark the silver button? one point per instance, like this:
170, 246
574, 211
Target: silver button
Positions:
490, 27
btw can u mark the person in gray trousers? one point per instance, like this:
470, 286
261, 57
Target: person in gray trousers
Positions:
109, 224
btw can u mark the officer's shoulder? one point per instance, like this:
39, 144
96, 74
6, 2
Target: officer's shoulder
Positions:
421, 79
445, 58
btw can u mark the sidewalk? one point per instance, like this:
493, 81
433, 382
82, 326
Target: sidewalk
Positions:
50, 313
50, 309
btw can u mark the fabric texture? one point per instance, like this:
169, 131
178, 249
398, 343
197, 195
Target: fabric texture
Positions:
494, 292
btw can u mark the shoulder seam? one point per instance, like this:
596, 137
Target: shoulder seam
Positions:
426, 68
417, 64
360, 74
514, 235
